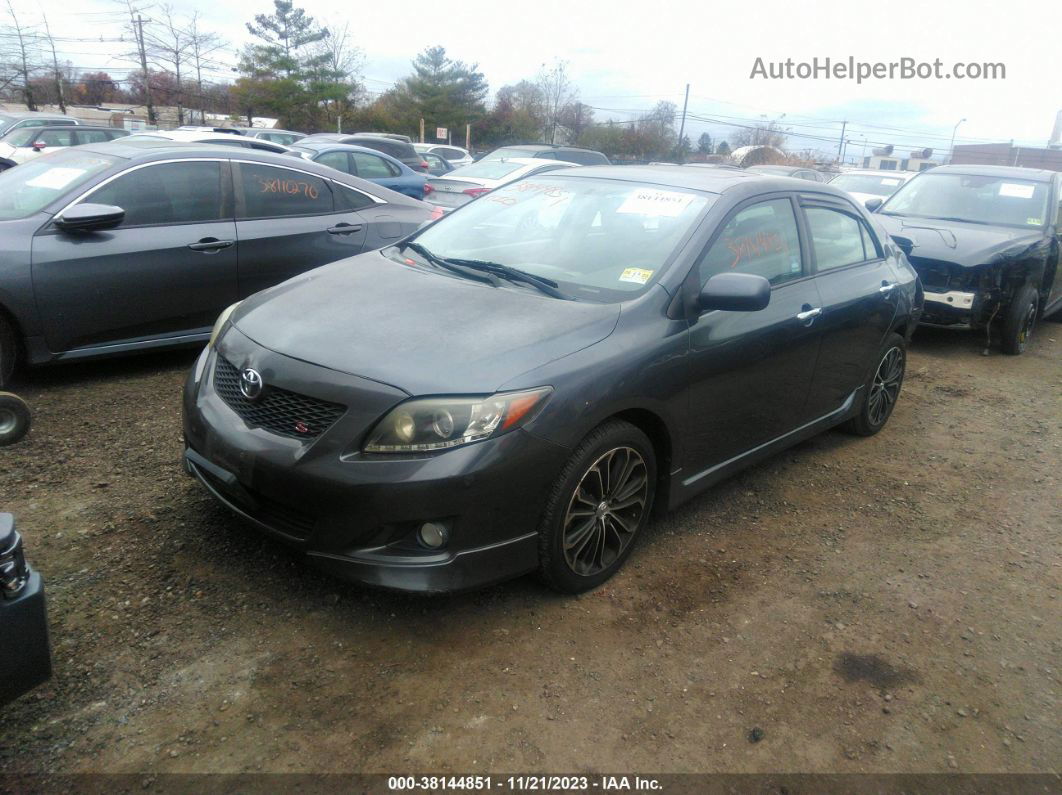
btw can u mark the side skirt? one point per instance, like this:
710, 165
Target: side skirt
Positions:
683, 489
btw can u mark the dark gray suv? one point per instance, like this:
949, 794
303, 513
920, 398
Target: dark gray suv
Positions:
120, 247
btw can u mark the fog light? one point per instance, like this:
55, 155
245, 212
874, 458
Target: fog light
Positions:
432, 535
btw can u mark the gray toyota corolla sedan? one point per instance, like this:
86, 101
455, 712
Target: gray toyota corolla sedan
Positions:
123, 247
515, 387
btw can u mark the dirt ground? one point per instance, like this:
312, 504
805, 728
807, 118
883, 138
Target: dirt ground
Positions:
869, 605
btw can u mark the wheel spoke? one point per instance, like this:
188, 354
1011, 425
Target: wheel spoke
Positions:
605, 511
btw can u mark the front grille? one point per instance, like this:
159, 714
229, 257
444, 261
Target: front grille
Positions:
269, 512
276, 410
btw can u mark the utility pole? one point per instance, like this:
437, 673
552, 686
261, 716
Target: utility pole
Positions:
468, 137
682, 125
143, 65
422, 130
951, 146
840, 144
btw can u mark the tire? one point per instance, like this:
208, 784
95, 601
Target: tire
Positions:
612, 450
8, 352
15, 418
1020, 319
882, 389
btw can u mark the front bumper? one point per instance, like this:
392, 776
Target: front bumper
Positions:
951, 308
356, 515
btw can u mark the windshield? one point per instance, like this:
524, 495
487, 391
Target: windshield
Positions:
999, 201
867, 183
23, 137
36, 184
599, 240
509, 152
495, 169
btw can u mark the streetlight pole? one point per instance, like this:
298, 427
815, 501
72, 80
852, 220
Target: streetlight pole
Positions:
951, 149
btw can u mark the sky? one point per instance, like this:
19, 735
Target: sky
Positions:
626, 56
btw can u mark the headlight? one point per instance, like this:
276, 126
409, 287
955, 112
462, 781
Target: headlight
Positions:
425, 424
223, 318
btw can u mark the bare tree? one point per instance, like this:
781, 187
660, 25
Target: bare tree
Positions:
24, 57
55, 65
169, 46
203, 45
557, 94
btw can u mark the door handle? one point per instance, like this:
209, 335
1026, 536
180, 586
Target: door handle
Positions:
344, 229
210, 244
809, 314
887, 287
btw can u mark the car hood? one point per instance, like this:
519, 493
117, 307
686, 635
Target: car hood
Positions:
419, 330
964, 244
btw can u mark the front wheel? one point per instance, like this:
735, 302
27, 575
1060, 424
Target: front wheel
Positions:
597, 508
882, 390
1019, 319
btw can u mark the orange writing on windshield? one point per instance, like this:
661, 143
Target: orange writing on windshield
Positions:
290, 187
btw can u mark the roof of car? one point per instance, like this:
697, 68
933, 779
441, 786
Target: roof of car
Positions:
145, 151
547, 147
787, 169
709, 180
1014, 172
867, 172
81, 127
33, 114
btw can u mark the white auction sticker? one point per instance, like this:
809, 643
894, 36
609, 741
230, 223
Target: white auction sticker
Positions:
1016, 190
56, 178
656, 202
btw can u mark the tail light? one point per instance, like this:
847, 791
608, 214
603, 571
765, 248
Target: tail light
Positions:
474, 192
428, 188
424, 165
436, 214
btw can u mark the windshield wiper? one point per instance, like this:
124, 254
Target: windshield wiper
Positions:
441, 262
548, 286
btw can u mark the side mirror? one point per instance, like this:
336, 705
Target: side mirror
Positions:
873, 204
38, 145
90, 218
735, 292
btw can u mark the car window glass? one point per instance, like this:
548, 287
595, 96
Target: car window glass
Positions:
761, 239
169, 193
93, 136
55, 137
371, 166
836, 237
336, 160
350, 199
270, 192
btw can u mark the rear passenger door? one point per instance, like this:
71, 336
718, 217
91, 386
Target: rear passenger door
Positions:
858, 289
289, 221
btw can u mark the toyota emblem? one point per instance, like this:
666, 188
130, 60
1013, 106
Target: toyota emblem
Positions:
251, 384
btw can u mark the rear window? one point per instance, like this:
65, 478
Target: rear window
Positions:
489, 169
582, 158
396, 149
512, 151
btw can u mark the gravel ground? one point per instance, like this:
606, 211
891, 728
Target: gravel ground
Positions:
854, 605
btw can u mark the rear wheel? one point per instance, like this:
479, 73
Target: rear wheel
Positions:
882, 390
598, 506
1019, 319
